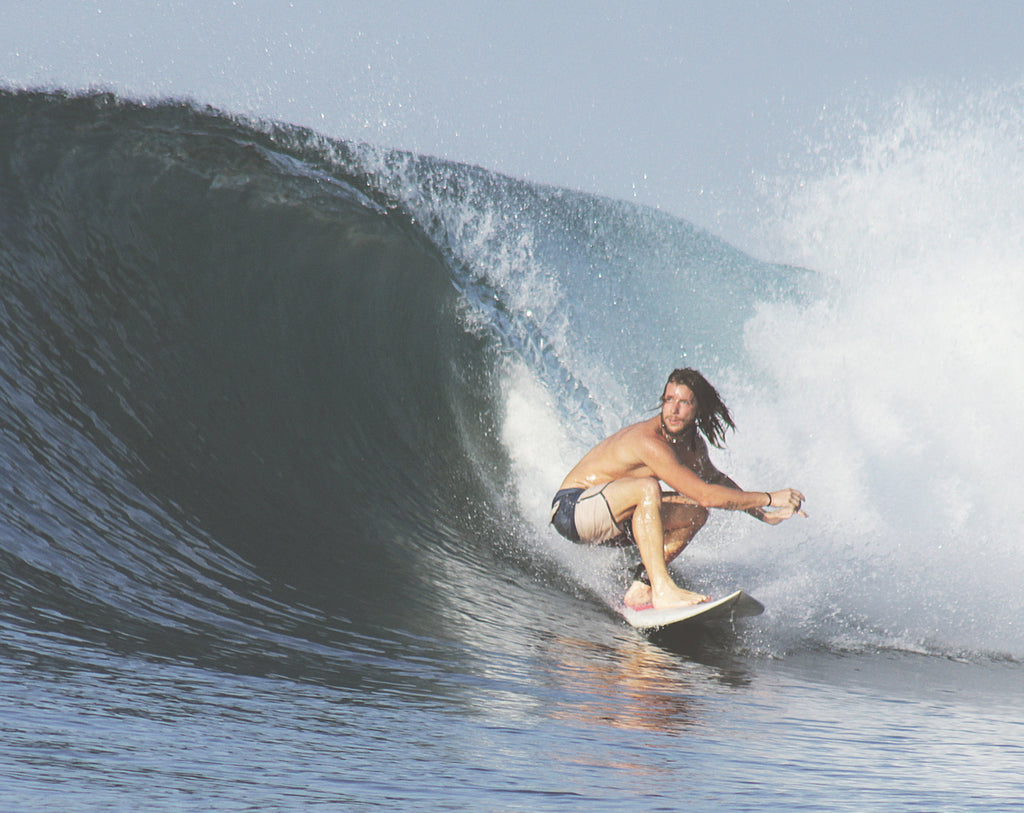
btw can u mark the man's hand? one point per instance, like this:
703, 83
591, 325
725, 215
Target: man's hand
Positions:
784, 504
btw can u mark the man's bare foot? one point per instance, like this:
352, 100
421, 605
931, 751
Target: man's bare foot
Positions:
638, 596
675, 596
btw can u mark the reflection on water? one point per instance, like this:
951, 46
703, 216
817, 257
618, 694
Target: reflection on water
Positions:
636, 684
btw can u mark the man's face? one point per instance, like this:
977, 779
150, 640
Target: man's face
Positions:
678, 408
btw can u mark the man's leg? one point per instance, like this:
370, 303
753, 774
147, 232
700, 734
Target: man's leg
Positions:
641, 498
682, 518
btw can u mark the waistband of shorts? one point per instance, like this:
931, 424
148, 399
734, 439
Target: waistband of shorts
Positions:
566, 492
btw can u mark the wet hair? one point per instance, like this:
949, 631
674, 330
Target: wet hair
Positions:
712, 414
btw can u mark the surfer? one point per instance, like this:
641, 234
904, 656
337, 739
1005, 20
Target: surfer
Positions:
614, 494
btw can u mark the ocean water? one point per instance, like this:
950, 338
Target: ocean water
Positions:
281, 417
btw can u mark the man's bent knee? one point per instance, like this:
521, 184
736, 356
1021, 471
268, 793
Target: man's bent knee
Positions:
650, 489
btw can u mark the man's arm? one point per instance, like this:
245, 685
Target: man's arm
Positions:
661, 460
728, 482
718, 478
786, 505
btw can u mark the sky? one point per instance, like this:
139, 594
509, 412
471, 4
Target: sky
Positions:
684, 106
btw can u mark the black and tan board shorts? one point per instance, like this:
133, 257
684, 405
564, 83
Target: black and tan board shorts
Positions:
584, 515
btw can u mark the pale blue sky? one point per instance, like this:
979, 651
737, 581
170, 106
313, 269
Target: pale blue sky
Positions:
679, 105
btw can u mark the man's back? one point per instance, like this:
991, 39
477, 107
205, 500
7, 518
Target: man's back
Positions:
617, 456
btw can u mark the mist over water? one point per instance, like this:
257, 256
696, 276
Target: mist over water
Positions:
894, 399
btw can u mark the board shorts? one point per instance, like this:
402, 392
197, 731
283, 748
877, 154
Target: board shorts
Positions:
584, 515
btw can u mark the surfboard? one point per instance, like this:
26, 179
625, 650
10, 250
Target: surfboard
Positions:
736, 605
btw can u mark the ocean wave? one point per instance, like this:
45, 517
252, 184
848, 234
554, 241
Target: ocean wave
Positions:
265, 391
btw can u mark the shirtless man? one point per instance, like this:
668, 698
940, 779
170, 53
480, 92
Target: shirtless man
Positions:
614, 494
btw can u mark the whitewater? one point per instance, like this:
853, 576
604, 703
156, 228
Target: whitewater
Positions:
282, 416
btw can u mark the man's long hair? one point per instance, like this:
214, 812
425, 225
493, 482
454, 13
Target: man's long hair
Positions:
712, 414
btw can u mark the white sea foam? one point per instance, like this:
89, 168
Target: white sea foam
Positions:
894, 401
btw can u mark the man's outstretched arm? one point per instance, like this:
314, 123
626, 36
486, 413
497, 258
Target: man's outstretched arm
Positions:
786, 502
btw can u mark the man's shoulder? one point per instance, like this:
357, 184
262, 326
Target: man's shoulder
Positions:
641, 435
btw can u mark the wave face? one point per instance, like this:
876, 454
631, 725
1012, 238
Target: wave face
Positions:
264, 390
222, 368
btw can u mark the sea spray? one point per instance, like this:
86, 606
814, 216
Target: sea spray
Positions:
894, 401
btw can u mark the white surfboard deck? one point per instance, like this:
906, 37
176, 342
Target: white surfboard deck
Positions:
736, 605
